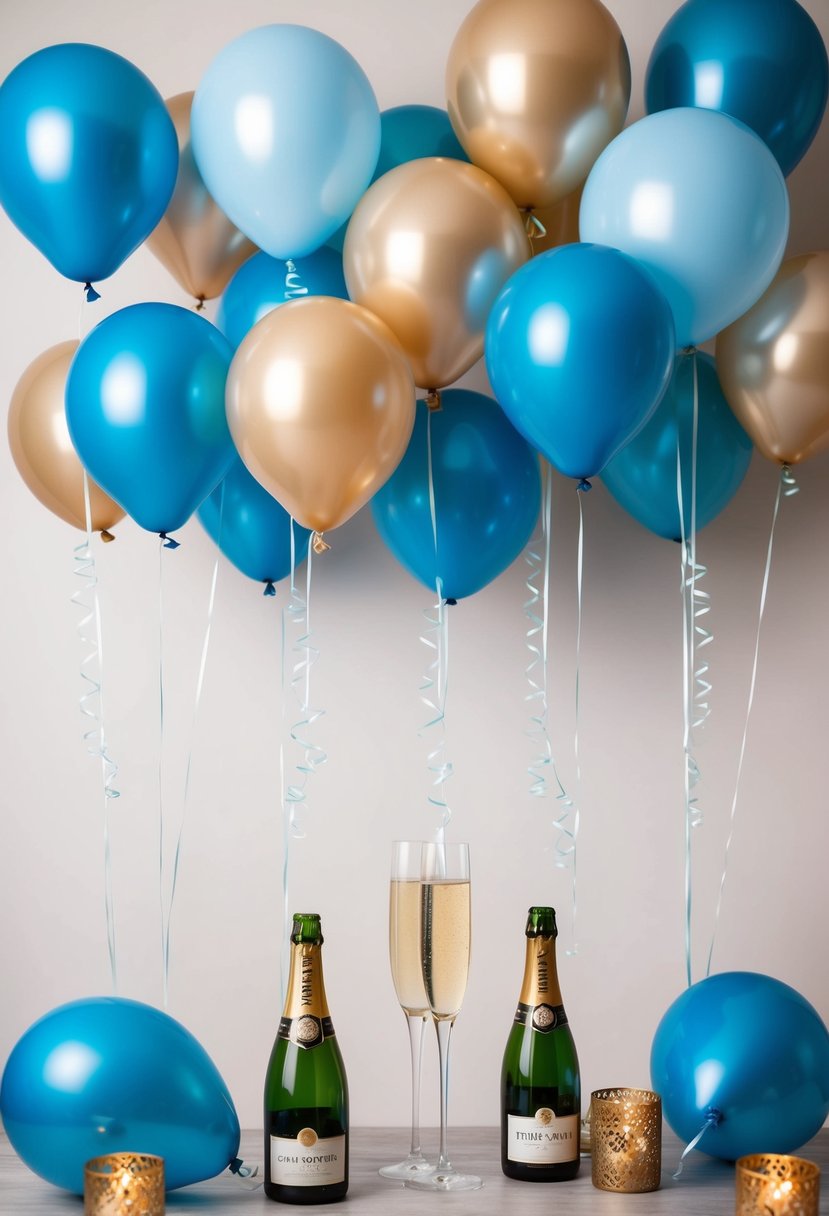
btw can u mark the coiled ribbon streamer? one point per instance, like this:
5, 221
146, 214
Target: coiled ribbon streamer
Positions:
293, 283
533, 227
786, 487
713, 1118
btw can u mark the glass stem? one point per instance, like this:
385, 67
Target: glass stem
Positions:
444, 1033
416, 1023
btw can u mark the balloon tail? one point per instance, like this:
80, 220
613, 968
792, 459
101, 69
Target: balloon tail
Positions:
432, 399
533, 226
91, 294
713, 1117
169, 542
91, 704
199, 304
293, 283
106, 536
270, 589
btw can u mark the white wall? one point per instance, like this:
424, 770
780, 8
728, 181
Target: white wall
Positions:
224, 973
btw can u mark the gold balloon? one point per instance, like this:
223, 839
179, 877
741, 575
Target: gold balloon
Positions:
773, 363
561, 223
321, 405
41, 447
535, 90
428, 248
196, 241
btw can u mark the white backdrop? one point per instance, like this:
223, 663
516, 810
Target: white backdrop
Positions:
226, 931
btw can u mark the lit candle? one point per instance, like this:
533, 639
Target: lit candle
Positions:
772, 1184
124, 1184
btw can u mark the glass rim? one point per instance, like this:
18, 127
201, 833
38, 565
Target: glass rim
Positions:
749, 1166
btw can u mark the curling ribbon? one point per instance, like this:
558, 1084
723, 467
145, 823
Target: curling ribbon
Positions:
533, 226
713, 1117
293, 283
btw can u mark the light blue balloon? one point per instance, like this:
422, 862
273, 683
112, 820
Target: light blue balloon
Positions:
751, 1051
88, 157
642, 477
108, 1075
285, 131
700, 201
146, 411
260, 286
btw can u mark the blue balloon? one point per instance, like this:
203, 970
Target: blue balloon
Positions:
579, 350
285, 132
251, 528
145, 409
751, 1051
259, 286
699, 200
762, 61
487, 492
107, 1075
88, 157
642, 477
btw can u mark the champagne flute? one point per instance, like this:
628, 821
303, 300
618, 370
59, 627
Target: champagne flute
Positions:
407, 975
445, 931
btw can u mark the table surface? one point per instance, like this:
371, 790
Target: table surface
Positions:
706, 1187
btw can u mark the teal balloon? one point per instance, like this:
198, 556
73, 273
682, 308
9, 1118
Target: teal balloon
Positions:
146, 413
487, 492
88, 157
285, 132
579, 350
749, 1053
699, 200
762, 61
642, 477
108, 1075
251, 528
260, 286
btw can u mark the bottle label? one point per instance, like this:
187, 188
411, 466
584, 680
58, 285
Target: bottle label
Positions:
306, 1031
543, 1018
307, 1160
544, 1139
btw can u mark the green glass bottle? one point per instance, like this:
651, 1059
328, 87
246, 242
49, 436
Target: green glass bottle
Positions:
540, 1088
306, 1092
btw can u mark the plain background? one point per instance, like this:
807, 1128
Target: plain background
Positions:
224, 974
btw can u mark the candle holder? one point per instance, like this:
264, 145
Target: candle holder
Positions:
124, 1184
626, 1137
771, 1184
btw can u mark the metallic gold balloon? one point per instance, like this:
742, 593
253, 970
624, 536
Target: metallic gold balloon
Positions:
773, 363
42, 449
321, 405
196, 241
535, 90
561, 224
428, 249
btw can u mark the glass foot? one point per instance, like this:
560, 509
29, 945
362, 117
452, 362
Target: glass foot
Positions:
445, 1180
414, 1165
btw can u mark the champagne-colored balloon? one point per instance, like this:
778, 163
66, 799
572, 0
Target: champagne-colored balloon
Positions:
535, 90
561, 224
428, 249
41, 447
773, 363
195, 240
321, 405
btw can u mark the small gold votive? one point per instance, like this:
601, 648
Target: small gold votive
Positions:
626, 1139
124, 1184
772, 1184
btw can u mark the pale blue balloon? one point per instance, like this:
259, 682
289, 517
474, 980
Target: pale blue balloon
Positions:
700, 201
286, 132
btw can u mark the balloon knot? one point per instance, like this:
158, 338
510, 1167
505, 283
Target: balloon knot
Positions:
106, 536
533, 226
689, 350
320, 546
199, 305
584, 486
169, 543
269, 587
433, 401
713, 1116
450, 601
91, 294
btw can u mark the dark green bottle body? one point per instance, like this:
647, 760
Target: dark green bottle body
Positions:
540, 1084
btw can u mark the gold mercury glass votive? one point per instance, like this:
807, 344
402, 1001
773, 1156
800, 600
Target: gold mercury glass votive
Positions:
626, 1136
771, 1184
124, 1184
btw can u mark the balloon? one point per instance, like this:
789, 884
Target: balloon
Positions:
774, 362
286, 131
762, 61
41, 447
320, 402
700, 201
536, 89
145, 407
88, 157
263, 283
751, 1049
428, 248
579, 350
561, 224
642, 477
487, 493
195, 240
251, 528
107, 1075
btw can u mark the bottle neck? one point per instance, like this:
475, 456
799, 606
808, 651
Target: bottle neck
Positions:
306, 990
540, 986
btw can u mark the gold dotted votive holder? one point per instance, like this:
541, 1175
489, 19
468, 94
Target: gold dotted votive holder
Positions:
124, 1184
626, 1140
773, 1184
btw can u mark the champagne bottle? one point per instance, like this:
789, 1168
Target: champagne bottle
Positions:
540, 1090
306, 1092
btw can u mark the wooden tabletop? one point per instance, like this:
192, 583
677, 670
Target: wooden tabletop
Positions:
705, 1189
